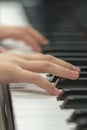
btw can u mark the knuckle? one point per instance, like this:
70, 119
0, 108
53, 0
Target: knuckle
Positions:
70, 66
47, 64
14, 60
67, 73
49, 57
13, 70
23, 32
36, 78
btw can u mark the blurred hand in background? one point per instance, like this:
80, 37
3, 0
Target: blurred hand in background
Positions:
28, 34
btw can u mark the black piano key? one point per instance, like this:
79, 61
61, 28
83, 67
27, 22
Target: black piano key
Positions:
56, 49
82, 124
83, 68
73, 37
76, 61
49, 75
53, 78
75, 102
61, 46
69, 54
56, 82
78, 114
70, 48
72, 91
81, 82
83, 74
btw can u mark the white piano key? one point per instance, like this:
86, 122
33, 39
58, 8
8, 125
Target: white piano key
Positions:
41, 112
36, 112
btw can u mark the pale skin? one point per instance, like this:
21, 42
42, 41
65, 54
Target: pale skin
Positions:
27, 34
16, 68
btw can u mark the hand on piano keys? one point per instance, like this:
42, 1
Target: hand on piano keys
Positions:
21, 67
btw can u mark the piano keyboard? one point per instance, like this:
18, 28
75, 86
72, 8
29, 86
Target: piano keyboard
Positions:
34, 108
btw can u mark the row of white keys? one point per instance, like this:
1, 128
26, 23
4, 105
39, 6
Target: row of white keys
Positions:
34, 109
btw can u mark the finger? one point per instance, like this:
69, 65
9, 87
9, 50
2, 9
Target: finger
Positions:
20, 33
31, 41
31, 77
39, 56
62, 63
48, 67
38, 36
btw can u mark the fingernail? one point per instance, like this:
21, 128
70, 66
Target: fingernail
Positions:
75, 75
75, 68
56, 91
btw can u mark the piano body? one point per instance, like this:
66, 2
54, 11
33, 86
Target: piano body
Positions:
65, 27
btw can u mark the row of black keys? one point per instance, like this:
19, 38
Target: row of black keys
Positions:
71, 48
74, 98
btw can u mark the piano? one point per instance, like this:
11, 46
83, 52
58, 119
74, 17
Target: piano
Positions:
6, 110
34, 108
